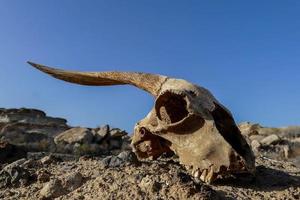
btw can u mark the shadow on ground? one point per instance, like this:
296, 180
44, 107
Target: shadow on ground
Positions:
266, 179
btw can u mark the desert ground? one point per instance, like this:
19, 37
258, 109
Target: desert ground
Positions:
42, 157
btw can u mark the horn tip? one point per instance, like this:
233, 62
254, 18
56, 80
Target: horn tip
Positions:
37, 66
32, 64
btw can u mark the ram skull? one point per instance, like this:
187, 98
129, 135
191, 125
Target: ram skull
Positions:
186, 119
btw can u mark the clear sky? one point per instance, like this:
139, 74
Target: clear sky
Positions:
247, 53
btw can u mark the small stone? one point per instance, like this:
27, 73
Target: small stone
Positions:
147, 183
271, 139
47, 160
115, 162
125, 157
105, 161
128, 157
287, 151
255, 145
52, 189
43, 176
73, 181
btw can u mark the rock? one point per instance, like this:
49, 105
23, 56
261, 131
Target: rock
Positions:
86, 149
256, 137
116, 162
101, 133
128, 156
46, 160
126, 143
49, 159
125, 157
5, 151
117, 133
287, 151
30, 128
106, 161
271, 139
148, 184
248, 128
115, 143
29, 116
43, 176
10, 152
72, 181
75, 135
255, 145
15, 164
14, 174
52, 189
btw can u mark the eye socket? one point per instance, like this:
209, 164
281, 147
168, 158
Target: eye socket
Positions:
171, 107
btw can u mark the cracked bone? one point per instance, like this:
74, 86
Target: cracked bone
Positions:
186, 119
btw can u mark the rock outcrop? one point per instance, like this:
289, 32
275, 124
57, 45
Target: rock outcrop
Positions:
30, 128
33, 131
276, 143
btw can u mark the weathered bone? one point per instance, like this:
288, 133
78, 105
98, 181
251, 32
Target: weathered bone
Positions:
186, 119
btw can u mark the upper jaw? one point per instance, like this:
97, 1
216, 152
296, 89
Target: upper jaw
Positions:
149, 145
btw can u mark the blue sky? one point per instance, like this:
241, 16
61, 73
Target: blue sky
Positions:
246, 52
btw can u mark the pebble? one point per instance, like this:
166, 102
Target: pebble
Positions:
73, 181
52, 189
255, 145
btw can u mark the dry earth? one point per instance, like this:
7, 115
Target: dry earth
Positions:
123, 177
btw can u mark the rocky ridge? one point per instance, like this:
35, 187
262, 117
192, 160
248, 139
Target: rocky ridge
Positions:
33, 131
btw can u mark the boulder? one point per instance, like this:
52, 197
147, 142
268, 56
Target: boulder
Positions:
75, 135
271, 139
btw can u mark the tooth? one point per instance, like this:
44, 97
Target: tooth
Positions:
197, 173
210, 176
203, 175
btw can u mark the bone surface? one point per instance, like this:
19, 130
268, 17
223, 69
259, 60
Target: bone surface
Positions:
186, 119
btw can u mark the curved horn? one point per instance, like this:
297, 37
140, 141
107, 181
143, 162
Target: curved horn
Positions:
148, 82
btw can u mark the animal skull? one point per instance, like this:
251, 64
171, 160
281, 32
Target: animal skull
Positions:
186, 119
